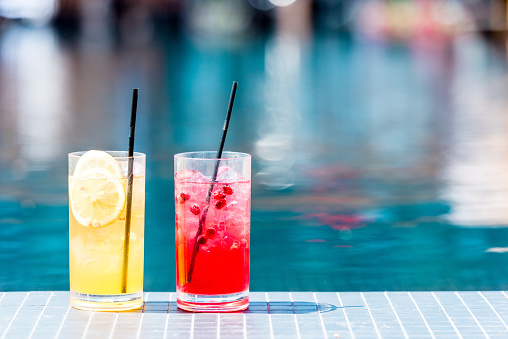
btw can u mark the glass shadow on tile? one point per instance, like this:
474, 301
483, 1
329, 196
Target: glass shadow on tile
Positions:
274, 307
288, 307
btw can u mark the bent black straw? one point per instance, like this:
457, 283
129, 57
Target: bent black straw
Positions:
202, 220
130, 179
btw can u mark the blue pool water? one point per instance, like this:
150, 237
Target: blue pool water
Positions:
376, 166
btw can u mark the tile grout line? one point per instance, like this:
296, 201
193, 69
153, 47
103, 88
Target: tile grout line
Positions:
114, 325
269, 316
167, 317
345, 315
87, 325
244, 326
396, 316
447, 316
493, 309
63, 321
192, 326
15, 315
218, 325
143, 309
474, 317
298, 335
502, 292
423, 317
320, 316
371, 317
40, 315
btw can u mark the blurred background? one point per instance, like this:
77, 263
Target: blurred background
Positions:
378, 130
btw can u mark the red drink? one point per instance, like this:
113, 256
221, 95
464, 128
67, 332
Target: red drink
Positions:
212, 240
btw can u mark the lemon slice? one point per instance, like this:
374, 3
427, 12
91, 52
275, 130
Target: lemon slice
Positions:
93, 160
97, 199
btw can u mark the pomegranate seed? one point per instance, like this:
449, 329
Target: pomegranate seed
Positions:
194, 208
201, 240
183, 197
210, 233
218, 195
227, 189
220, 204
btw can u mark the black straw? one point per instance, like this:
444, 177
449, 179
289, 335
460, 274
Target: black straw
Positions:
130, 177
202, 220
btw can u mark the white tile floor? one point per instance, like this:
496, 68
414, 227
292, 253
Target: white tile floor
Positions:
270, 315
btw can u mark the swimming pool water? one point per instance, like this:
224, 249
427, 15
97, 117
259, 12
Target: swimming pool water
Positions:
376, 166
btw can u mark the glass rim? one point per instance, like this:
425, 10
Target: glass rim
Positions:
123, 154
226, 155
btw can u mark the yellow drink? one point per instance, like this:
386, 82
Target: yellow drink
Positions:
97, 225
96, 254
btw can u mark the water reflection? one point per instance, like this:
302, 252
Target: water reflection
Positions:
370, 156
475, 171
38, 92
277, 126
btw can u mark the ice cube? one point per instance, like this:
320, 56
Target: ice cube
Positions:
138, 169
199, 177
183, 174
191, 176
110, 264
227, 174
234, 224
77, 246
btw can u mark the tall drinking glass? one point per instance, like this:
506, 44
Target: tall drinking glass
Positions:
212, 231
106, 230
